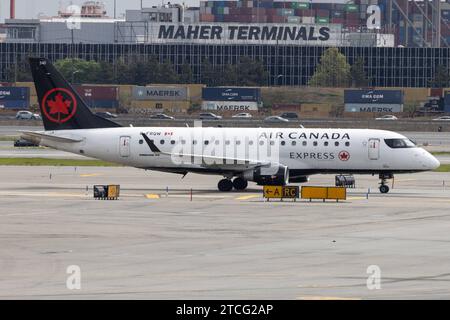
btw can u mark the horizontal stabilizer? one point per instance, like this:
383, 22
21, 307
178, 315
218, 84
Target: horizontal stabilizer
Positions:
32, 135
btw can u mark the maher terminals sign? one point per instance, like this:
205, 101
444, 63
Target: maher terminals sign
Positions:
311, 34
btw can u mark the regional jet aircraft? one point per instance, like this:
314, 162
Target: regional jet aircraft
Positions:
267, 156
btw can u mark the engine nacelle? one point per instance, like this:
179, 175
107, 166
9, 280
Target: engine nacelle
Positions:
298, 179
269, 176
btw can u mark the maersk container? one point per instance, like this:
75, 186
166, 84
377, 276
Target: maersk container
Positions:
14, 93
374, 96
231, 94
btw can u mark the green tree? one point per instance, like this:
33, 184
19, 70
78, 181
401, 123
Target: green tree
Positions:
332, 71
20, 71
358, 75
79, 70
229, 76
209, 73
165, 73
186, 75
441, 77
251, 72
124, 74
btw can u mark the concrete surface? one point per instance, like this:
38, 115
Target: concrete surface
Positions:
220, 245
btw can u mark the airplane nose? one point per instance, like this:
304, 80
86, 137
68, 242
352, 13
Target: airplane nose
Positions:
433, 163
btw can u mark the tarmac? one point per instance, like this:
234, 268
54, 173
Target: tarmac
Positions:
156, 242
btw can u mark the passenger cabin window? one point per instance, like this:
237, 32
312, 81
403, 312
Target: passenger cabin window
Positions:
399, 143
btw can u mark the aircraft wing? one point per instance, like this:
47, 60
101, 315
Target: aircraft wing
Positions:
32, 135
211, 161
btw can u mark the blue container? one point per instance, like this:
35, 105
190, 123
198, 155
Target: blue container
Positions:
103, 104
15, 104
374, 96
231, 94
14, 93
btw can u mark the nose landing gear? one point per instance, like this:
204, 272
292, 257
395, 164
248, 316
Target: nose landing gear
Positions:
383, 186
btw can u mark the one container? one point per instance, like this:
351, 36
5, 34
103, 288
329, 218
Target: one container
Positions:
231, 94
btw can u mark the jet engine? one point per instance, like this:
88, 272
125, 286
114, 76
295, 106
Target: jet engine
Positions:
269, 176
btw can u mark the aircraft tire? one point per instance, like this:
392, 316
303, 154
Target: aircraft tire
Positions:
225, 185
384, 188
240, 184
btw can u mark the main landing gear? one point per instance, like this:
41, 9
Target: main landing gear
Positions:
383, 186
226, 185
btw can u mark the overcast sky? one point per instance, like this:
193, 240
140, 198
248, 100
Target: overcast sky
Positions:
32, 8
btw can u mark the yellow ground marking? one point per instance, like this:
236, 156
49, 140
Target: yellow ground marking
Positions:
326, 298
90, 175
248, 197
152, 196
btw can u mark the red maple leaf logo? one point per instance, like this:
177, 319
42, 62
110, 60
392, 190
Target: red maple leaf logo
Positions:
344, 156
59, 105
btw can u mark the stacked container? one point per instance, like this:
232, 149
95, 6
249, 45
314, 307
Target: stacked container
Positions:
99, 96
14, 97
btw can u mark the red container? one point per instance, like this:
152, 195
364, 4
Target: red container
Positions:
337, 20
322, 13
206, 17
276, 19
436, 92
235, 11
98, 93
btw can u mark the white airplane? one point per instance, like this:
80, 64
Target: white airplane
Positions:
267, 156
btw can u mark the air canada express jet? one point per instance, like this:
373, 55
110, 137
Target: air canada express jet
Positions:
267, 156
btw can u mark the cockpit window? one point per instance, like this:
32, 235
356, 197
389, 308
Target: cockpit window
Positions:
399, 143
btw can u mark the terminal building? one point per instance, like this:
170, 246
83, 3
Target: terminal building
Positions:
288, 37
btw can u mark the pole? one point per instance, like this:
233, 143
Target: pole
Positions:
73, 55
115, 7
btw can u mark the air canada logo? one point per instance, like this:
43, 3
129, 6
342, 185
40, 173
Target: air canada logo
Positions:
59, 105
344, 156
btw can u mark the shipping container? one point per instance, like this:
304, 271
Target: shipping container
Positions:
374, 96
373, 107
107, 104
160, 106
14, 104
230, 106
160, 93
14, 93
231, 94
98, 92
322, 20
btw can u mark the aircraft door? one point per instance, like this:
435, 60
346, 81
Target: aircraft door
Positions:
374, 149
124, 147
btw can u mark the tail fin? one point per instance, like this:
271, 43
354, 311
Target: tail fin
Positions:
61, 106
